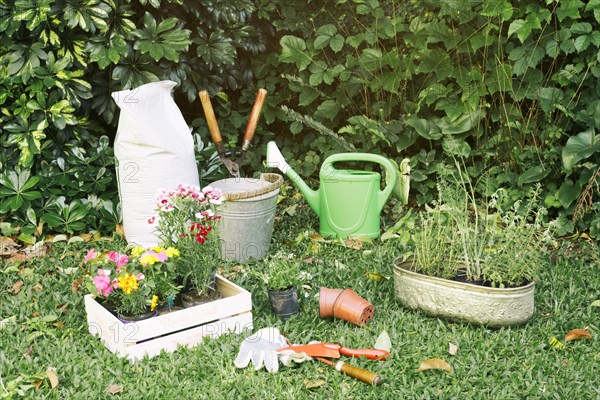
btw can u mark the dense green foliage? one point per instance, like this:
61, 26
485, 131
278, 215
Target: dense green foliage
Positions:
510, 86
60, 62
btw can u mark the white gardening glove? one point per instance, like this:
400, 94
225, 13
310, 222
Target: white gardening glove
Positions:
260, 347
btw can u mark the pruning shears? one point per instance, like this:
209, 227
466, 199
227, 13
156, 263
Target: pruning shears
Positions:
232, 166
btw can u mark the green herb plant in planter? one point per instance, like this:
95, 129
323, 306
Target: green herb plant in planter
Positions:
282, 276
185, 220
474, 260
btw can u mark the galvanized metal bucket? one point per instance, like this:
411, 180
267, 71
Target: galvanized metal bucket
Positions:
247, 216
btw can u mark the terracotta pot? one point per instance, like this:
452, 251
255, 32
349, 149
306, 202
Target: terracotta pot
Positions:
352, 308
327, 298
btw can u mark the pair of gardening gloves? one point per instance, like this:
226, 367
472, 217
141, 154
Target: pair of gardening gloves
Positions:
260, 349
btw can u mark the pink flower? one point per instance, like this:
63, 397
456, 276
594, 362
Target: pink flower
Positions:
91, 255
167, 208
102, 282
153, 221
140, 276
162, 200
205, 213
118, 259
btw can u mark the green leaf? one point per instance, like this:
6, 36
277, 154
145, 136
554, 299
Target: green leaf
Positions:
337, 43
532, 175
567, 193
580, 147
456, 147
424, 128
549, 97
523, 28
293, 50
464, 123
581, 28
569, 9
371, 59
497, 8
582, 43
327, 109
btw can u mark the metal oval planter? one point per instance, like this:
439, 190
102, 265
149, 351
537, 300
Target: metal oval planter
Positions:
493, 307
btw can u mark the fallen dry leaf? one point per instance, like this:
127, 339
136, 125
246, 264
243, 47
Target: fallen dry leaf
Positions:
577, 334
38, 287
313, 384
353, 244
76, 285
52, 377
17, 257
17, 286
383, 342
120, 230
37, 384
557, 344
317, 237
7, 246
28, 352
114, 389
58, 324
86, 236
452, 349
374, 276
434, 363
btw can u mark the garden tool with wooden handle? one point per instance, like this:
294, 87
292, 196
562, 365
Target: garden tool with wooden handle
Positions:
232, 166
323, 351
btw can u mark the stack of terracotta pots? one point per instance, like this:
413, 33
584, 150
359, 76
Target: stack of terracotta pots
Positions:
345, 304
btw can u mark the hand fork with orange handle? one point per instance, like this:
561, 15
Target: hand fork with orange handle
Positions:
324, 351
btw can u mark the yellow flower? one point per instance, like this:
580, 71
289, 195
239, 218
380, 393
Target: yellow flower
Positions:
157, 249
148, 258
154, 303
128, 283
172, 252
137, 251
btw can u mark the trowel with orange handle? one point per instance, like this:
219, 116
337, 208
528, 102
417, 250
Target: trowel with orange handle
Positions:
324, 351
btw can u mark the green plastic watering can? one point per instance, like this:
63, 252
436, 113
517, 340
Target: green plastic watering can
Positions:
348, 202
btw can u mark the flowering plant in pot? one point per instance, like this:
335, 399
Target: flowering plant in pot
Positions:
133, 285
495, 250
185, 219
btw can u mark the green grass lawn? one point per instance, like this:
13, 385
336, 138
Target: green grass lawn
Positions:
44, 326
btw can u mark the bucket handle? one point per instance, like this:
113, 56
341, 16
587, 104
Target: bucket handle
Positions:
390, 171
275, 182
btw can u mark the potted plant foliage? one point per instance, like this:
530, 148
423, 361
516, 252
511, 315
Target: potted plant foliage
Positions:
474, 260
135, 285
282, 276
185, 220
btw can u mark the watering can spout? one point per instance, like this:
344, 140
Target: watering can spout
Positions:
275, 160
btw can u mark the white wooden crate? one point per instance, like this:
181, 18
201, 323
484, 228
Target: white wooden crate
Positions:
231, 313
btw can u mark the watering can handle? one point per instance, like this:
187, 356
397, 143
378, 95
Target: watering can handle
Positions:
390, 170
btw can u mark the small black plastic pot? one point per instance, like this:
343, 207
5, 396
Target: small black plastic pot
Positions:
284, 303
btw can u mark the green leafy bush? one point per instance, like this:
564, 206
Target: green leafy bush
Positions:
60, 60
512, 88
